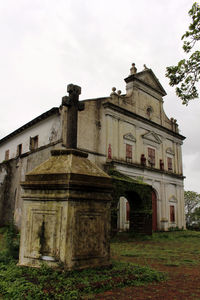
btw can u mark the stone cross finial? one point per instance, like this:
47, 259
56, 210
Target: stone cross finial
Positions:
133, 69
73, 104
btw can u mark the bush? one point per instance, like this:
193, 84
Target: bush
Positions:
12, 241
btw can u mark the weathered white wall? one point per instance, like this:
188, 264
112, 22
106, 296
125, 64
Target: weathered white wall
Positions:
119, 125
48, 131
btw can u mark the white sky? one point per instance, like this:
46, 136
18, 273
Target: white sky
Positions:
47, 44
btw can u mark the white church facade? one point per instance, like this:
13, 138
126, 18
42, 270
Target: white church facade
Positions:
129, 133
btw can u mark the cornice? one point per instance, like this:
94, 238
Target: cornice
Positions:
138, 166
133, 115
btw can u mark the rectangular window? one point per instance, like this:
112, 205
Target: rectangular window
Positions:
151, 156
169, 163
7, 155
34, 142
19, 149
128, 151
172, 213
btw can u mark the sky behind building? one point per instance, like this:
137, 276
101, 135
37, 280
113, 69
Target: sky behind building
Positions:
50, 43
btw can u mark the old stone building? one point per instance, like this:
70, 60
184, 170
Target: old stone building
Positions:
129, 133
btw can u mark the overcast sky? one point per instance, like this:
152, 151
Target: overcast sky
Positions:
47, 44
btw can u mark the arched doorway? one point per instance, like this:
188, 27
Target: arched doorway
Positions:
139, 197
154, 211
132, 216
123, 215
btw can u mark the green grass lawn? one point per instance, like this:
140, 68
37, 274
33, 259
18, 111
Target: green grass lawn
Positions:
132, 258
167, 248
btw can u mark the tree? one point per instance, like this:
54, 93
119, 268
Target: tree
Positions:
192, 201
195, 217
186, 73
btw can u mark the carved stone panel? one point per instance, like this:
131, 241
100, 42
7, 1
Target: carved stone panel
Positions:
42, 233
90, 234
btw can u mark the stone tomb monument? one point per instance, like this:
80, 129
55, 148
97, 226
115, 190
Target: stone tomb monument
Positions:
66, 206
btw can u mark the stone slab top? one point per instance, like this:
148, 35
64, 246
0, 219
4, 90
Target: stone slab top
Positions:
66, 162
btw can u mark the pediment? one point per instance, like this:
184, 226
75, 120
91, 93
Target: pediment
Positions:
153, 137
173, 199
170, 151
148, 78
129, 136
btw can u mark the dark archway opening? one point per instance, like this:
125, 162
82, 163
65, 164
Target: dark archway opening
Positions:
139, 197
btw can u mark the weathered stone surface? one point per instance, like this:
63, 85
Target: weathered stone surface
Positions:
73, 104
66, 213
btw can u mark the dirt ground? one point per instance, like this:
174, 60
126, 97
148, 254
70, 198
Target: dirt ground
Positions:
183, 283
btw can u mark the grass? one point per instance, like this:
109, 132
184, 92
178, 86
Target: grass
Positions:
168, 248
45, 283
132, 257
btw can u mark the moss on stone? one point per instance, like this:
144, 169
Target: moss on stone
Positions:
130, 188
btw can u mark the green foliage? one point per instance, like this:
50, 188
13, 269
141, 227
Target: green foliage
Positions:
168, 248
124, 185
195, 219
175, 228
11, 239
46, 283
192, 201
138, 193
186, 73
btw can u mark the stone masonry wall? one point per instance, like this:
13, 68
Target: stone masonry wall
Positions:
7, 191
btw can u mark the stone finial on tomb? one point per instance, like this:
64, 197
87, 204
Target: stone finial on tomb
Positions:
133, 69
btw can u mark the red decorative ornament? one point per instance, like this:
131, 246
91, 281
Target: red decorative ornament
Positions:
109, 152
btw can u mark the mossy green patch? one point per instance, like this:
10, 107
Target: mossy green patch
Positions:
139, 196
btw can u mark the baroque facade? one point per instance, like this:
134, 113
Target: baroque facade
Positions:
129, 133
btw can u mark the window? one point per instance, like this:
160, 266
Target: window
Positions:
128, 151
172, 213
19, 149
151, 156
7, 155
169, 163
34, 142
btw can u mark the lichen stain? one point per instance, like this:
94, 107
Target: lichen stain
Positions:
41, 235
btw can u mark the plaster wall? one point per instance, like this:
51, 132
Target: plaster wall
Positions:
48, 131
12, 172
169, 191
142, 138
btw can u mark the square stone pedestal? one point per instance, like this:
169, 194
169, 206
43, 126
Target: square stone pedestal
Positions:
66, 213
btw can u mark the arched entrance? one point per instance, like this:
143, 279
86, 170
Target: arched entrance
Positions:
154, 211
139, 197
